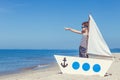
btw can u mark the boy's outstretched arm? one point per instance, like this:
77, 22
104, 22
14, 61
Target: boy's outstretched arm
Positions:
73, 30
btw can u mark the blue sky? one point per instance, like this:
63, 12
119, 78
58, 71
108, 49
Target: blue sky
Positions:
39, 24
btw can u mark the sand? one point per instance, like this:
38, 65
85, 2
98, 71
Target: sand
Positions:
53, 73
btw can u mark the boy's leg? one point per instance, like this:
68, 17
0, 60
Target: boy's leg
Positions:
82, 52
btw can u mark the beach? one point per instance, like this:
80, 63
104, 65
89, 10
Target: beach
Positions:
53, 73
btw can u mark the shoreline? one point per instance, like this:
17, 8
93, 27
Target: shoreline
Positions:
25, 73
31, 68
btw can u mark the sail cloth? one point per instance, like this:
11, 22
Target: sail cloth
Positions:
96, 43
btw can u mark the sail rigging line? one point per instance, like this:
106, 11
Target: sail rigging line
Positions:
87, 38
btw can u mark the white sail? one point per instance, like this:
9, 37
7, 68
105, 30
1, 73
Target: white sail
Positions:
96, 43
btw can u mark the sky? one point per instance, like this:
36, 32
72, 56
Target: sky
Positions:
39, 24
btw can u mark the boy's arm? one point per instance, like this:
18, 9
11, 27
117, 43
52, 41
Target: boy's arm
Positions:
73, 30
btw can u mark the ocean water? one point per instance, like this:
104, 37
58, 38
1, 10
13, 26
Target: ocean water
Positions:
16, 60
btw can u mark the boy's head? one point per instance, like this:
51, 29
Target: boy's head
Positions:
86, 24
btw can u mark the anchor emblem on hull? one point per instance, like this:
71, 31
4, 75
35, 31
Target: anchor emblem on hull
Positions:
64, 64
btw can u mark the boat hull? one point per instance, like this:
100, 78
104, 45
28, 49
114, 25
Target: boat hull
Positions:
83, 66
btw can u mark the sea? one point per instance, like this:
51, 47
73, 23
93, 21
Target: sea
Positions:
15, 60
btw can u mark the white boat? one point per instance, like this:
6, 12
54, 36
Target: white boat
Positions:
89, 66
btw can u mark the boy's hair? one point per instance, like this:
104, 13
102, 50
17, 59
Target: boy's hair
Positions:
85, 23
